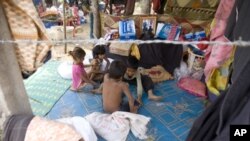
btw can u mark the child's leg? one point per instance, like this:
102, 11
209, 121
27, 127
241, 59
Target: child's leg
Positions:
86, 88
98, 90
148, 87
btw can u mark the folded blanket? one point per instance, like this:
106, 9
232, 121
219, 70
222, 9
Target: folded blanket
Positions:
116, 126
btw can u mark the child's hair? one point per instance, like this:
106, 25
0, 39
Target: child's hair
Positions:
132, 62
98, 50
117, 69
77, 53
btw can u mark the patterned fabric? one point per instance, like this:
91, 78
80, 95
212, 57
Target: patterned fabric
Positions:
157, 74
217, 55
41, 129
45, 87
218, 79
210, 4
192, 9
25, 24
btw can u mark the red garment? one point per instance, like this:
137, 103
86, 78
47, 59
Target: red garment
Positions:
156, 5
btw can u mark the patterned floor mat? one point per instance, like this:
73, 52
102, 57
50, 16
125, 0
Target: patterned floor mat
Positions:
45, 87
172, 118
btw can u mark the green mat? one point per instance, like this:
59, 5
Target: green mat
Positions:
45, 87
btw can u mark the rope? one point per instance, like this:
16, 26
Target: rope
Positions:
102, 41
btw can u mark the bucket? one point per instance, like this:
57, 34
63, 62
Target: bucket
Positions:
195, 61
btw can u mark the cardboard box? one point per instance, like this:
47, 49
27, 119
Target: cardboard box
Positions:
127, 30
122, 49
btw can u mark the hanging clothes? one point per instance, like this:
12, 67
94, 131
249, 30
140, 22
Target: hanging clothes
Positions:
219, 78
25, 24
231, 107
167, 55
217, 55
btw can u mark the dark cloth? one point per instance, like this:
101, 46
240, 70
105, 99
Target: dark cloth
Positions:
167, 55
147, 82
124, 106
231, 107
159, 5
15, 127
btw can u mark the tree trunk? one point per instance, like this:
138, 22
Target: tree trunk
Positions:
145, 6
13, 98
97, 20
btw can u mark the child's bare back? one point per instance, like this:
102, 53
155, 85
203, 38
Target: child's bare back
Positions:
113, 88
112, 94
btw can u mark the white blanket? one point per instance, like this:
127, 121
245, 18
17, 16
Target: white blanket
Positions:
116, 126
82, 126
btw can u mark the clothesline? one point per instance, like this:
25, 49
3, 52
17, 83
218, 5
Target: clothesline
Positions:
102, 41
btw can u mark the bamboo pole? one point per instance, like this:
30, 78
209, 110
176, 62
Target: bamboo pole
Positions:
97, 20
145, 6
64, 26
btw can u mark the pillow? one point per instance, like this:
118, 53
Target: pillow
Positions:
65, 70
156, 73
193, 86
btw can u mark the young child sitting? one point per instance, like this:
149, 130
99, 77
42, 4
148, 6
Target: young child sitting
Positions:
113, 89
133, 77
96, 73
80, 78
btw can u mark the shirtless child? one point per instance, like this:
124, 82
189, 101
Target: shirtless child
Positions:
113, 89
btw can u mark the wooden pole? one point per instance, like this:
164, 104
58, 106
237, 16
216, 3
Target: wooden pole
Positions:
97, 20
64, 26
130, 6
145, 6
13, 98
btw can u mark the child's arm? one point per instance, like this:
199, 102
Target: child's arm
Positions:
95, 66
139, 86
130, 98
108, 63
86, 79
88, 65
